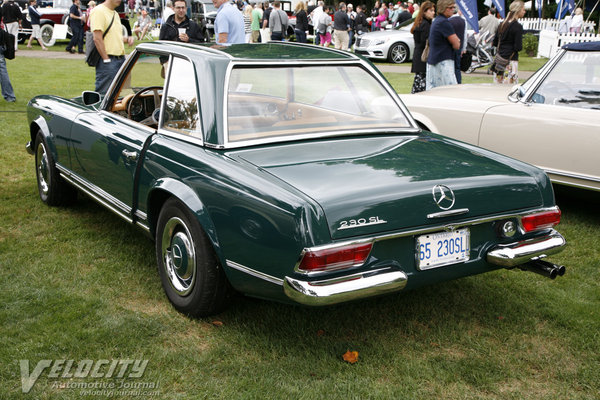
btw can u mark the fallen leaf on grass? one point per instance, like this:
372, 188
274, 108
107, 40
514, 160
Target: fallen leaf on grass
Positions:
350, 356
217, 323
320, 332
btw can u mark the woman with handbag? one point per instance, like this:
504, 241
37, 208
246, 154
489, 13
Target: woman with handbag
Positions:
442, 43
509, 41
420, 31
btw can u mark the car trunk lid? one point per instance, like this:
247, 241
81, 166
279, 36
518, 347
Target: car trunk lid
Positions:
382, 184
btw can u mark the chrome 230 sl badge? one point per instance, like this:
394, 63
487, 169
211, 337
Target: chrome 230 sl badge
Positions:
443, 197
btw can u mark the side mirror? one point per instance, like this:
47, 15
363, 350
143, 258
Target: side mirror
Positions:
516, 94
90, 98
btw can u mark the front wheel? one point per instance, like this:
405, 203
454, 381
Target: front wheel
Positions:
398, 53
53, 190
191, 275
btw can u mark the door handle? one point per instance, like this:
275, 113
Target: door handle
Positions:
130, 155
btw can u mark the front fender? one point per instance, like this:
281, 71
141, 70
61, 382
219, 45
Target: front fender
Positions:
164, 188
425, 122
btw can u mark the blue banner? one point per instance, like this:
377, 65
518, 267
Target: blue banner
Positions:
500, 7
563, 7
538, 5
469, 11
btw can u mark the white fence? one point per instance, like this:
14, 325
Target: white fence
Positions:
536, 24
551, 41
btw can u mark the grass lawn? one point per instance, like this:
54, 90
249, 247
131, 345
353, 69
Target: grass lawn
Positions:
79, 284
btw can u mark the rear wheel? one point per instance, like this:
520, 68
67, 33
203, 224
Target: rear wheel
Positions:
53, 190
398, 53
189, 270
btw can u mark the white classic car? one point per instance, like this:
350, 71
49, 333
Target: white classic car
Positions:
552, 120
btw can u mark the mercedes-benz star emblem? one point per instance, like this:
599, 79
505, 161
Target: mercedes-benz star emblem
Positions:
443, 196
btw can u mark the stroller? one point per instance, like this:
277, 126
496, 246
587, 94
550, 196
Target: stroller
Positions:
482, 50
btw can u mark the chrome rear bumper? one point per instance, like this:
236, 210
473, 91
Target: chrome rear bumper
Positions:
514, 254
347, 288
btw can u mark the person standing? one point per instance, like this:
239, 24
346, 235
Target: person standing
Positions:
420, 31
257, 14
488, 25
7, 90
229, 24
324, 27
352, 30
108, 38
442, 43
577, 21
34, 16
341, 26
459, 24
278, 22
11, 13
361, 25
179, 28
301, 22
509, 42
248, 23
316, 17
76, 24
168, 11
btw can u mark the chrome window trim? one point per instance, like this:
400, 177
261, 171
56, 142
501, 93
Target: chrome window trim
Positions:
414, 128
255, 273
415, 232
97, 194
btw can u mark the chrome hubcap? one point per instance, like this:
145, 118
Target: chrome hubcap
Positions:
179, 256
42, 169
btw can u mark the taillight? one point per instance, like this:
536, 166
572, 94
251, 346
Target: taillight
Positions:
543, 220
335, 258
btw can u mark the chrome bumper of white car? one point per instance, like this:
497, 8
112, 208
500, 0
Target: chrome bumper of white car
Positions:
518, 253
338, 290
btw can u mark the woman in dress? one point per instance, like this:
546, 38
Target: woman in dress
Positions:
420, 31
577, 21
509, 41
442, 43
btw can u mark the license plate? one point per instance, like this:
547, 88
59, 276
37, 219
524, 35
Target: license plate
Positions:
442, 248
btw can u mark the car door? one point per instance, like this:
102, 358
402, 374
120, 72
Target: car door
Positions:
555, 126
107, 144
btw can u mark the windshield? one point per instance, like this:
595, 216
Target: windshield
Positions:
294, 101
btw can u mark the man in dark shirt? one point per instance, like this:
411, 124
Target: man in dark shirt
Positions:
11, 12
341, 26
459, 25
76, 24
179, 28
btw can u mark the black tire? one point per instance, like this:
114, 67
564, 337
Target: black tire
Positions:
189, 270
53, 189
398, 53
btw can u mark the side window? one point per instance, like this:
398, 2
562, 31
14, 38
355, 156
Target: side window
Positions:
140, 94
181, 110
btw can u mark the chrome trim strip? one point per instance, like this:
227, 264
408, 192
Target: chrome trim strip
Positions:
108, 201
255, 273
448, 213
347, 288
513, 254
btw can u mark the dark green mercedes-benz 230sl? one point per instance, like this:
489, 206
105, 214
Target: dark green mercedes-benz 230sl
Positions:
288, 172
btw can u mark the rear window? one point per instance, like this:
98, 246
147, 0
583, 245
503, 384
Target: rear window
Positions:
296, 101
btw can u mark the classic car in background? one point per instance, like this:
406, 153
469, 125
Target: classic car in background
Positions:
395, 45
288, 172
57, 12
552, 120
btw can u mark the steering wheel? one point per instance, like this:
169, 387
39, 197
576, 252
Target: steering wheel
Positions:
135, 108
